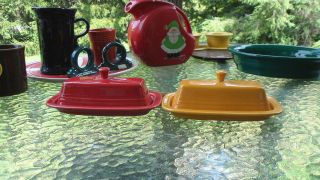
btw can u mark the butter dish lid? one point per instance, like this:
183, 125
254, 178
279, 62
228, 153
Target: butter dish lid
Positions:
220, 96
102, 94
101, 86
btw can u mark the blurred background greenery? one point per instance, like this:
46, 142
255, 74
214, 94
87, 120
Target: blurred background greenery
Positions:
294, 22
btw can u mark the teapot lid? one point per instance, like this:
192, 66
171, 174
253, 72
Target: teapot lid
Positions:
133, 4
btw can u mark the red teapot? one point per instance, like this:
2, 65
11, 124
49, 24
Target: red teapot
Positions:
160, 33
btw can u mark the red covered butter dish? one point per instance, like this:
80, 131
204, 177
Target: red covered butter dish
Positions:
100, 95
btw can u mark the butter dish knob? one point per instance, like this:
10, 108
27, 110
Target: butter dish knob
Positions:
104, 72
221, 75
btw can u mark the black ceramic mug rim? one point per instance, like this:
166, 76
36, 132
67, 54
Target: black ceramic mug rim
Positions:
10, 47
53, 8
41, 11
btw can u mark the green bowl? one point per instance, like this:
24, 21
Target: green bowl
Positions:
277, 60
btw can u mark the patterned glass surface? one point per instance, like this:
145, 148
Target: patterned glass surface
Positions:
38, 142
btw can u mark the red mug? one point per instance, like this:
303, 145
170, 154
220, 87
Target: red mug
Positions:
99, 38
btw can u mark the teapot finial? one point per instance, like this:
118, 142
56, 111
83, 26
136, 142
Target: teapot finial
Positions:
104, 72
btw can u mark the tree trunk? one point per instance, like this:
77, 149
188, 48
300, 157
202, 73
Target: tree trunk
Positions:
176, 2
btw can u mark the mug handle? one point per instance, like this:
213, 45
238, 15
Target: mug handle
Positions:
74, 59
121, 55
85, 31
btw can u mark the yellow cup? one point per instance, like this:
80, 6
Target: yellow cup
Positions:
197, 39
218, 40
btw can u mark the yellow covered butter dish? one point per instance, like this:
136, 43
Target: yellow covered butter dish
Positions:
221, 100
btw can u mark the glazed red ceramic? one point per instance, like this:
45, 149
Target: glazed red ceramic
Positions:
100, 95
160, 33
33, 71
99, 38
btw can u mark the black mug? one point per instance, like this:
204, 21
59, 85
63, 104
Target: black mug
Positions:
13, 76
57, 38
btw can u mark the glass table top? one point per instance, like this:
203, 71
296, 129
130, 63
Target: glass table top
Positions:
38, 142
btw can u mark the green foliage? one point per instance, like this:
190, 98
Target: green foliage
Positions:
215, 25
280, 21
316, 44
269, 22
214, 15
306, 15
251, 21
18, 26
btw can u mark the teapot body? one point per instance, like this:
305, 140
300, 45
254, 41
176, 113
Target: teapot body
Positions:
160, 33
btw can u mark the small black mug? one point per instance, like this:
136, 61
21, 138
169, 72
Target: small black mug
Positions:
13, 76
57, 38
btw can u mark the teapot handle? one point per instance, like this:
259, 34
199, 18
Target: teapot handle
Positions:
188, 26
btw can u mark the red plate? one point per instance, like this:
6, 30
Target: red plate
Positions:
33, 72
106, 111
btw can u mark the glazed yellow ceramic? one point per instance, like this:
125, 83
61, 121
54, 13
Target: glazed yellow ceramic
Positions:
0, 69
197, 39
218, 40
221, 100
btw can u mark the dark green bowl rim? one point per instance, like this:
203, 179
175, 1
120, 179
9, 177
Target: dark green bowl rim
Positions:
234, 51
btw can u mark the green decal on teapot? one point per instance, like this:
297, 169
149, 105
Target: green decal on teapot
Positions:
1, 70
174, 42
